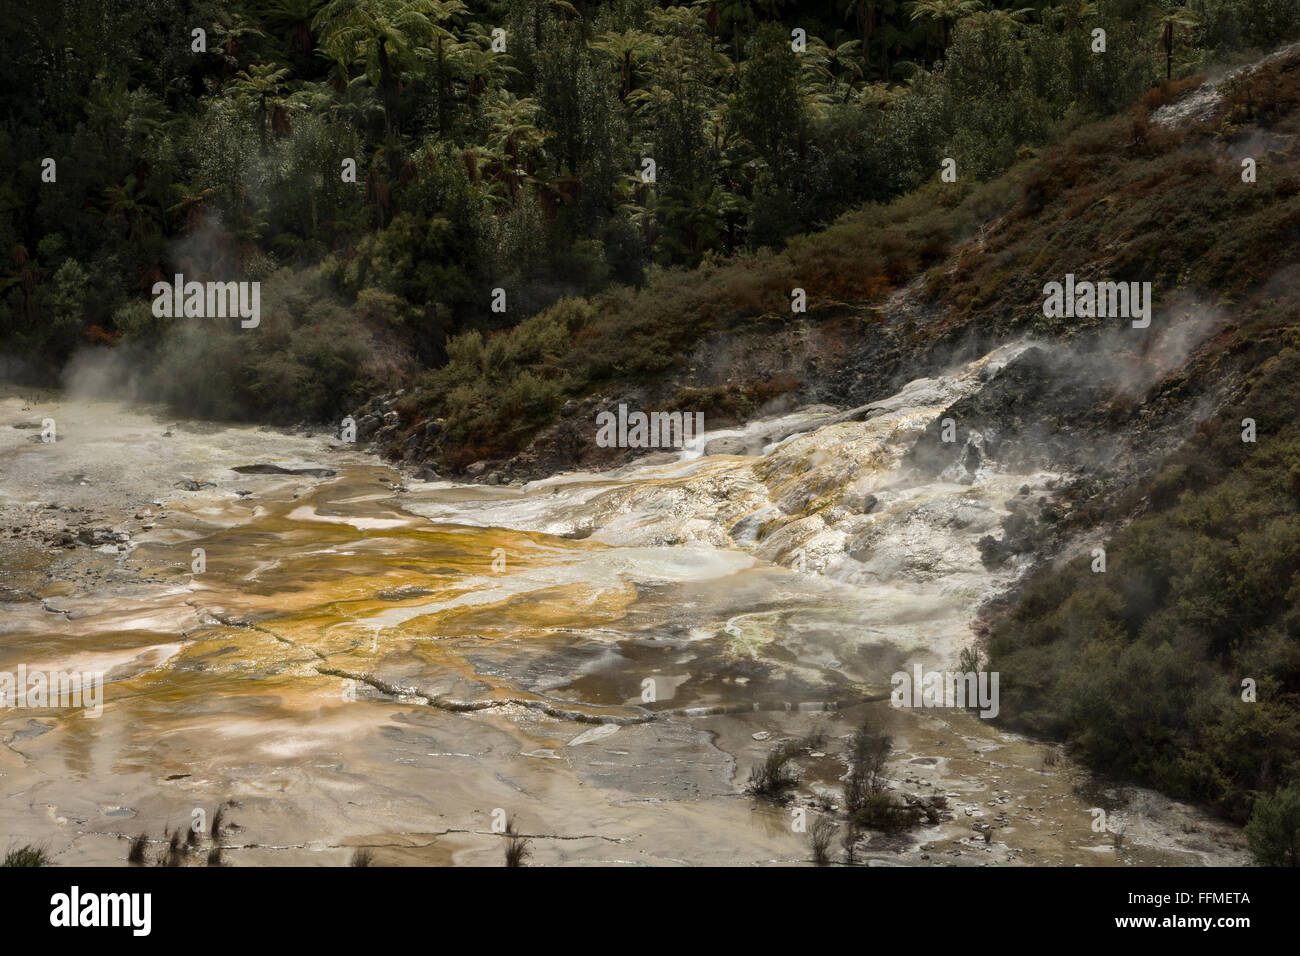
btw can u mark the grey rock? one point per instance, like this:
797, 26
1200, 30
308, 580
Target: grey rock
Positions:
861, 503
367, 425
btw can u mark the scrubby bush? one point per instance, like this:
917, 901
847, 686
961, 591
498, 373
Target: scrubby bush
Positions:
773, 776
136, 854
517, 846
26, 856
820, 836
1141, 670
1273, 831
868, 754
884, 811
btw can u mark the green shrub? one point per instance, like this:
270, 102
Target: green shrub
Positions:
773, 777
1273, 832
1141, 669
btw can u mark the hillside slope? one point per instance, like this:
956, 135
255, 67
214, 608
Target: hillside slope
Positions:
1139, 668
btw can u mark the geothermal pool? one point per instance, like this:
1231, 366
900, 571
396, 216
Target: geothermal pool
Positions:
366, 660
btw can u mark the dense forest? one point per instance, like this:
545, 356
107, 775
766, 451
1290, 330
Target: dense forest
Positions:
495, 146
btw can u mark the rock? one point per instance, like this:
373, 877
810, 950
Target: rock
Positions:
735, 445
96, 536
427, 474
367, 425
192, 484
861, 503
599, 732
476, 469
265, 469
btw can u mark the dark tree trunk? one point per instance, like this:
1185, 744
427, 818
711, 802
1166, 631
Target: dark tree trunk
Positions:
388, 88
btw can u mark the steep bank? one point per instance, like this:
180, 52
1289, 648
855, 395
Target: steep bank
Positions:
898, 292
